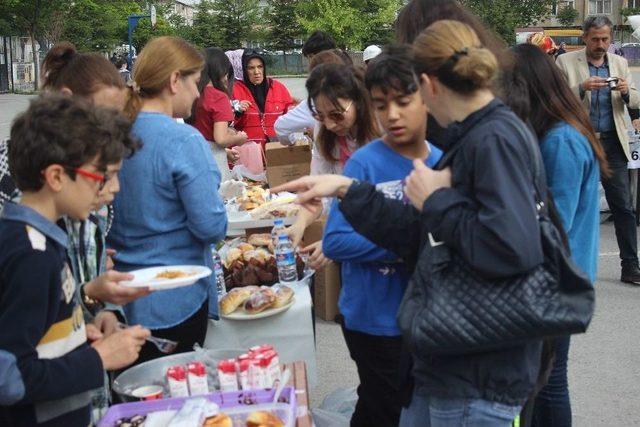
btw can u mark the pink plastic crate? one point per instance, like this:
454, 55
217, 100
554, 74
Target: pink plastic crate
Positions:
237, 404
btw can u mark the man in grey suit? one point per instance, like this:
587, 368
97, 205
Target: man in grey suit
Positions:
603, 82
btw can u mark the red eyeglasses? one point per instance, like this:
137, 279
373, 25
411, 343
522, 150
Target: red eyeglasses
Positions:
93, 176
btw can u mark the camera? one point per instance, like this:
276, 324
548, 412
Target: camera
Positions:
612, 82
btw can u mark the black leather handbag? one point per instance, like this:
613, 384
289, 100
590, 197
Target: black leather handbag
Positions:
466, 313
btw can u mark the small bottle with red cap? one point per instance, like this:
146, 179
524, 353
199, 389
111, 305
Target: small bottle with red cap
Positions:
228, 375
177, 379
197, 377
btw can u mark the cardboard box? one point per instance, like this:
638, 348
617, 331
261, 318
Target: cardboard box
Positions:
286, 163
327, 280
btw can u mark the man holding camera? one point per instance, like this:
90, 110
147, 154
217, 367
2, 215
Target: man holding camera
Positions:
604, 84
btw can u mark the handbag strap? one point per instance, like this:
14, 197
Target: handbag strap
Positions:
536, 159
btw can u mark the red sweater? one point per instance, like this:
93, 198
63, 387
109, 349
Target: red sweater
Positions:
259, 126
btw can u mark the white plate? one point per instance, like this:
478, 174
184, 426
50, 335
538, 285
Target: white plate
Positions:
243, 221
147, 277
240, 314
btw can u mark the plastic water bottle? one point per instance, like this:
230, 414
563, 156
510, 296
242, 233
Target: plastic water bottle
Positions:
278, 229
286, 260
218, 273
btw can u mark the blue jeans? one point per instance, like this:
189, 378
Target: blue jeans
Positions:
552, 406
443, 412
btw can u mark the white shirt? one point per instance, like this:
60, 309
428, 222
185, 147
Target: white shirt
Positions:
295, 120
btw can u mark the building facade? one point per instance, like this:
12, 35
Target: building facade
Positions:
184, 8
585, 8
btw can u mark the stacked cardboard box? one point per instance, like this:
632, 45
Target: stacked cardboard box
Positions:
327, 280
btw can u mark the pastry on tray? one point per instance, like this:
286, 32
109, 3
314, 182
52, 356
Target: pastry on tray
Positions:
263, 419
260, 239
220, 420
260, 301
234, 299
284, 295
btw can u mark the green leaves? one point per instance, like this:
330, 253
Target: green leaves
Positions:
504, 16
567, 16
353, 23
284, 26
235, 21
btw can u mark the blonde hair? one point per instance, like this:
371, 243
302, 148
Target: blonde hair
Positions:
452, 52
161, 57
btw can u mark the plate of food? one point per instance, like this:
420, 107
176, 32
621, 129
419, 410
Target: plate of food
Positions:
253, 302
252, 263
257, 208
167, 277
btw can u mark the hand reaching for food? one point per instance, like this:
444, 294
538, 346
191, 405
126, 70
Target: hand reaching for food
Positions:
316, 260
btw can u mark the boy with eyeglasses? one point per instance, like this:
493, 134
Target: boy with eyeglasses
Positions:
59, 152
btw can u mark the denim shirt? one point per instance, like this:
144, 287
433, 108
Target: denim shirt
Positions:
601, 112
168, 212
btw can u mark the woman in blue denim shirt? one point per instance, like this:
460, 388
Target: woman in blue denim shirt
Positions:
168, 211
573, 160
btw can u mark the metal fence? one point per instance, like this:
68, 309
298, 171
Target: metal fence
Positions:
295, 63
17, 69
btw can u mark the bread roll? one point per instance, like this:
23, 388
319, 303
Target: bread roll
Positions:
220, 420
263, 239
260, 301
284, 295
232, 255
263, 419
231, 301
245, 247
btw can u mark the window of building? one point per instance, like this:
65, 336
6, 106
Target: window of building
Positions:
599, 7
633, 4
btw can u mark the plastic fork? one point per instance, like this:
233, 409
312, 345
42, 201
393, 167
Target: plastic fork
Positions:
283, 380
164, 345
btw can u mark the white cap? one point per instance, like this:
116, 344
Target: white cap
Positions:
371, 52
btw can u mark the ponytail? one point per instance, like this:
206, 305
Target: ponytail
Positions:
159, 59
81, 73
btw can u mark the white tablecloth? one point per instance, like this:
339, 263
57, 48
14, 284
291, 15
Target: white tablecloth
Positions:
291, 333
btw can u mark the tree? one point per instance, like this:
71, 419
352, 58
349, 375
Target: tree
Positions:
351, 23
284, 26
504, 16
202, 32
143, 31
567, 16
235, 21
97, 25
27, 17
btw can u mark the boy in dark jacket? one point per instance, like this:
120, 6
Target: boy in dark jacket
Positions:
60, 149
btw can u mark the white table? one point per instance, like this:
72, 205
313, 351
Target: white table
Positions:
290, 332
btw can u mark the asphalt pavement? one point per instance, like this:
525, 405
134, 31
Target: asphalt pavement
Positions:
604, 364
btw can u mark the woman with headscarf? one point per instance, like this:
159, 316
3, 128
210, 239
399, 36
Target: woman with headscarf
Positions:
268, 98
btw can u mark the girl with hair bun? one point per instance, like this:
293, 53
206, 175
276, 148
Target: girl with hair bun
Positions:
479, 203
169, 211
88, 75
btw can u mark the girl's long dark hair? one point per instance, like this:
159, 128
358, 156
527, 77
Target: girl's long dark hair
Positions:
550, 99
216, 66
336, 81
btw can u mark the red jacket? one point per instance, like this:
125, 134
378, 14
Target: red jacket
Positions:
260, 126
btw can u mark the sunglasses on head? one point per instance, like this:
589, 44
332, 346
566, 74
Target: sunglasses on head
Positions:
335, 116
